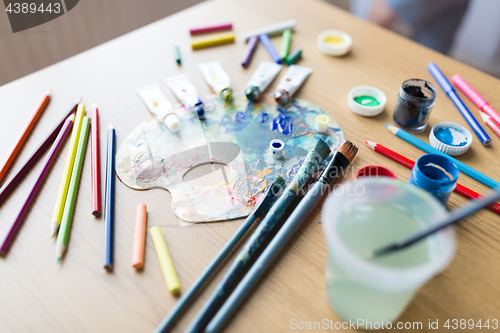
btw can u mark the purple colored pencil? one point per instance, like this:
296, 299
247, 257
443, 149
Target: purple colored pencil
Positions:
39, 151
16, 221
218, 27
264, 39
247, 56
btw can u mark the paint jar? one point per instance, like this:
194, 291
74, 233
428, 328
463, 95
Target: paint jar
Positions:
415, 101
435, 174
367, 214
276, 147
374, 171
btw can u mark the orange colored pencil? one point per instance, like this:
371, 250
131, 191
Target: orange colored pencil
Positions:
24, 134
140, 236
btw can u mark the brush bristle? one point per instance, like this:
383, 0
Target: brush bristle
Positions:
322, 149
349, 150
279, 181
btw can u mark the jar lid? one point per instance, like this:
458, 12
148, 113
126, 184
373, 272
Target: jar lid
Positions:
366, 101
334, 42
450, 138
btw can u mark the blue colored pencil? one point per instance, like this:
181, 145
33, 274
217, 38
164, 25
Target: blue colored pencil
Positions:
452, 94
264, 39
431, 150
339, 162
266, 202
310, 165
109, 200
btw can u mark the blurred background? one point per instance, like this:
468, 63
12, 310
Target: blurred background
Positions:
468, 30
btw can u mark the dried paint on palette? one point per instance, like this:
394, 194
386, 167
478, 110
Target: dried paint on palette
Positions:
235, 134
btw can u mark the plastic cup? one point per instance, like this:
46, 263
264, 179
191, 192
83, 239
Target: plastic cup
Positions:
364, 215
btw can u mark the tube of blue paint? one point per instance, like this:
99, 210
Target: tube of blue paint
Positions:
186, 93
436, 174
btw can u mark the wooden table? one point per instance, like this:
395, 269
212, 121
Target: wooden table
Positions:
37, 295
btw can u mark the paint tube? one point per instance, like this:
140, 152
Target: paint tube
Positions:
186, 93
217, 79
261, 78
293, 79
159, 106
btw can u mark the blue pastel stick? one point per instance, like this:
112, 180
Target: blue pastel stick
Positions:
266, 202
109, 201
452, 94
431, 150
264, 39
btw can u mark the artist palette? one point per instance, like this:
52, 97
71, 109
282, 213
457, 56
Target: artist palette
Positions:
235, 134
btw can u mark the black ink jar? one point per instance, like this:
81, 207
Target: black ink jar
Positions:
415, 101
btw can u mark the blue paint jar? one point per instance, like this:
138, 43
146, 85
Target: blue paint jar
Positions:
436, 174
415, 101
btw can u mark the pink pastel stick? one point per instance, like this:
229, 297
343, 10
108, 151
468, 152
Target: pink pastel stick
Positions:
476, 98
203, 30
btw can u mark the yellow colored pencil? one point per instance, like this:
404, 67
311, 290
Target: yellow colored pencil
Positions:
167, 266
212, 41
68, 168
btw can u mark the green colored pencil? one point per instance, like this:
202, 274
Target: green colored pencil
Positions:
69, 206
285, 43
177, 55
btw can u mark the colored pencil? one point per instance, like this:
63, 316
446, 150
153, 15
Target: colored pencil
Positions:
489, 121
167, 266
218, 27
141, 217
177, 55
285, 43
460, 189
37, 153
310, 165
69, 205
431, 150
212, 41
264, 39
270, 30
265, 203
16, 221
341, 160
452, 94
476, 98
249, 51
95, 163
24, 134
68, 168
449, 219
109, 200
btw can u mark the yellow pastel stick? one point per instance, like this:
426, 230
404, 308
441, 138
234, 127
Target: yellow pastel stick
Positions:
212, 41
167, 266
68, 168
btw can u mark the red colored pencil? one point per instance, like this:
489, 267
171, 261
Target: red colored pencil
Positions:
96, 163
24, 134
460, 189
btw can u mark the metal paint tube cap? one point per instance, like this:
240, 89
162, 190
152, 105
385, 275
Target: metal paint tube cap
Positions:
226, 94
252, 93
366, 101
450, 138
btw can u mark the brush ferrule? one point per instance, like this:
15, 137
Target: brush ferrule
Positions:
338, 163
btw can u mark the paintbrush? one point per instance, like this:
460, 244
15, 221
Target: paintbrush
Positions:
310, 165
341, 160
265, 203
449, 219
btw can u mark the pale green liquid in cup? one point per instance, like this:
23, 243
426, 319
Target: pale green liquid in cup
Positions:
364, 228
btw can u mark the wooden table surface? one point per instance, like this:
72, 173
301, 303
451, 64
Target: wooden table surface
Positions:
37, 295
